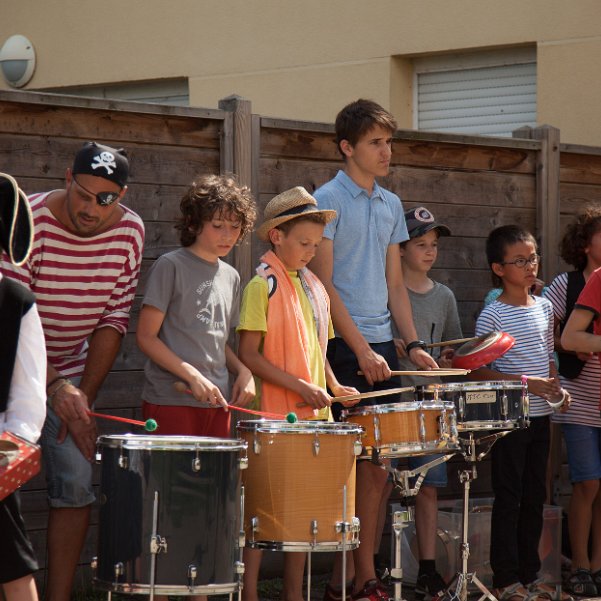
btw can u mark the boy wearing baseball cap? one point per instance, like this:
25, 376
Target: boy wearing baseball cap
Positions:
435, 316
284, 330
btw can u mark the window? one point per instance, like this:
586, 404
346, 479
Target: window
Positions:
486, 93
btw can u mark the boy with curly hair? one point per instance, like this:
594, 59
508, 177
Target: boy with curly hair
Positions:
189, 309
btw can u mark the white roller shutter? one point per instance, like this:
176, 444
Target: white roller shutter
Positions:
487, 100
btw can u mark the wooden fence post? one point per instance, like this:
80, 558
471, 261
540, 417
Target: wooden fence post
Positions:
236, 158
547, 195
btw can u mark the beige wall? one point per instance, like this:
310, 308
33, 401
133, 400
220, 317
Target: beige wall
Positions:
305, 59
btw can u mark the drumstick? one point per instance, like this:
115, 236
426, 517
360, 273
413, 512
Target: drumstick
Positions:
373, 393
449, 342
451, 371
149, 425
289, 417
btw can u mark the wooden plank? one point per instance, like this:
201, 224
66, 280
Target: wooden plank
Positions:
62, 102
31, 156
580, 169
321, 146
109, 126
575, 197
413, 185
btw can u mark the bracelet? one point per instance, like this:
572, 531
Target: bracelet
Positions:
415, 344
64, 382
54, 381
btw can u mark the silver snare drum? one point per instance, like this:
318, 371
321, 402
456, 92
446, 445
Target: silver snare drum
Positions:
496, 405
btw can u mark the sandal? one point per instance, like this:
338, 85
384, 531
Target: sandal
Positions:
596, 576
518, 592
580, 582
551, 591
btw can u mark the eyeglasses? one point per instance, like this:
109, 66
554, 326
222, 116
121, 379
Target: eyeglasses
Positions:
104, 199
521, 262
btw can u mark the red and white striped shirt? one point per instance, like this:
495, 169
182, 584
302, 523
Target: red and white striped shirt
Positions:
81, 284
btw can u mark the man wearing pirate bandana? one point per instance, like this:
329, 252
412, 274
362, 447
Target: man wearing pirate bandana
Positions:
83, 269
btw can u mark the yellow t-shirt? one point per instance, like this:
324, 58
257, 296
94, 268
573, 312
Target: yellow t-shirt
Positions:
253, 317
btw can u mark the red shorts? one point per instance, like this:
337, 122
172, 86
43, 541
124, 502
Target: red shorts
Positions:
188, 421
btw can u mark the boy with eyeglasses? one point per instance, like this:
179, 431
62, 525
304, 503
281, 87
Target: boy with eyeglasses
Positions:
83, 270
519, 460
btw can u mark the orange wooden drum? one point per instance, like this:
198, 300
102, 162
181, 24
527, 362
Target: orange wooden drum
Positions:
299, 487
403, 429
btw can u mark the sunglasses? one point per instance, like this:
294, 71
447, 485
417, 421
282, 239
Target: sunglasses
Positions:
104, 199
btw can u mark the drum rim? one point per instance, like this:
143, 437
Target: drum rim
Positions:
170, 442
407, 406
301, 427
476, 385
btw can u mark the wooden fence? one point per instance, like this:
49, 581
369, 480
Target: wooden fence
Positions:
471, 183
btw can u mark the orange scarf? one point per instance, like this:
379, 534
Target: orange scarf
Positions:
285, 344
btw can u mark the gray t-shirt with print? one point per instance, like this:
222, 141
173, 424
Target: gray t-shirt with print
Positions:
436, 319
201, 303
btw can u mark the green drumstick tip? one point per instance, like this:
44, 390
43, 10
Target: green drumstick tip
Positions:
291, 418
150, 425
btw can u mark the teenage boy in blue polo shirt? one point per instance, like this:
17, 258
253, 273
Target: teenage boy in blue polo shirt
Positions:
359, 263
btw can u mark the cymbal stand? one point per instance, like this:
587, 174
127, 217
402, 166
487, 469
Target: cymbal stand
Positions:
458, 589
400, 519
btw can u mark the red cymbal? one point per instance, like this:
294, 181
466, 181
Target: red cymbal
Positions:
483, 350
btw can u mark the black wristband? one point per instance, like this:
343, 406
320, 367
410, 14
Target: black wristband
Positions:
415, 344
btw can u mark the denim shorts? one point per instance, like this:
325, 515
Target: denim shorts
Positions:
583, 444
68, 472
436, 476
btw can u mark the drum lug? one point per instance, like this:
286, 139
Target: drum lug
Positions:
461, 407
94, 564
192, 574
316, 446
158, 544
453, 425
358, 447
377, 436
314, 530
239, 567
422, 427
254, 528
351, 527
504, 406
118, 570
123, 462
256, 445
443, 433
98, 455
243, 463
241, 539
196, 462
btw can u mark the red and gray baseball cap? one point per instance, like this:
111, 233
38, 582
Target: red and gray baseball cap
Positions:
420, 221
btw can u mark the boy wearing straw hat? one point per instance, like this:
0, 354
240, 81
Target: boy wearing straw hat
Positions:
359, 263
22, 379
284, 329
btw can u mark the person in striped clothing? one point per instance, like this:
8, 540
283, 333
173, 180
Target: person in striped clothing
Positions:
83, 270
580, 374
519, 459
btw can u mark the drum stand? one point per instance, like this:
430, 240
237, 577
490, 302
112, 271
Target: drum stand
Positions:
458, 589
400, 519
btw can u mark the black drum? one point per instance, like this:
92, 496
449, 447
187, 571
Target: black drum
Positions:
170, 515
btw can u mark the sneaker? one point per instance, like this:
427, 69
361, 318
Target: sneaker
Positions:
580, 582
373, 590
429, 586
332, 594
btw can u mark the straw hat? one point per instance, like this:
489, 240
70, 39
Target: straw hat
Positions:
289, 205
16, 221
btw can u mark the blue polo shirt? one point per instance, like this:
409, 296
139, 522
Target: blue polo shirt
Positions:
364, 228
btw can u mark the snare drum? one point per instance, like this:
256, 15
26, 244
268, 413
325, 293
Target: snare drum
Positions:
299, 488
170, 514
498, 405
404, 429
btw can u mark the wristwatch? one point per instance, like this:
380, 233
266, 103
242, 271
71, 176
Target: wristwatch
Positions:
415, 344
